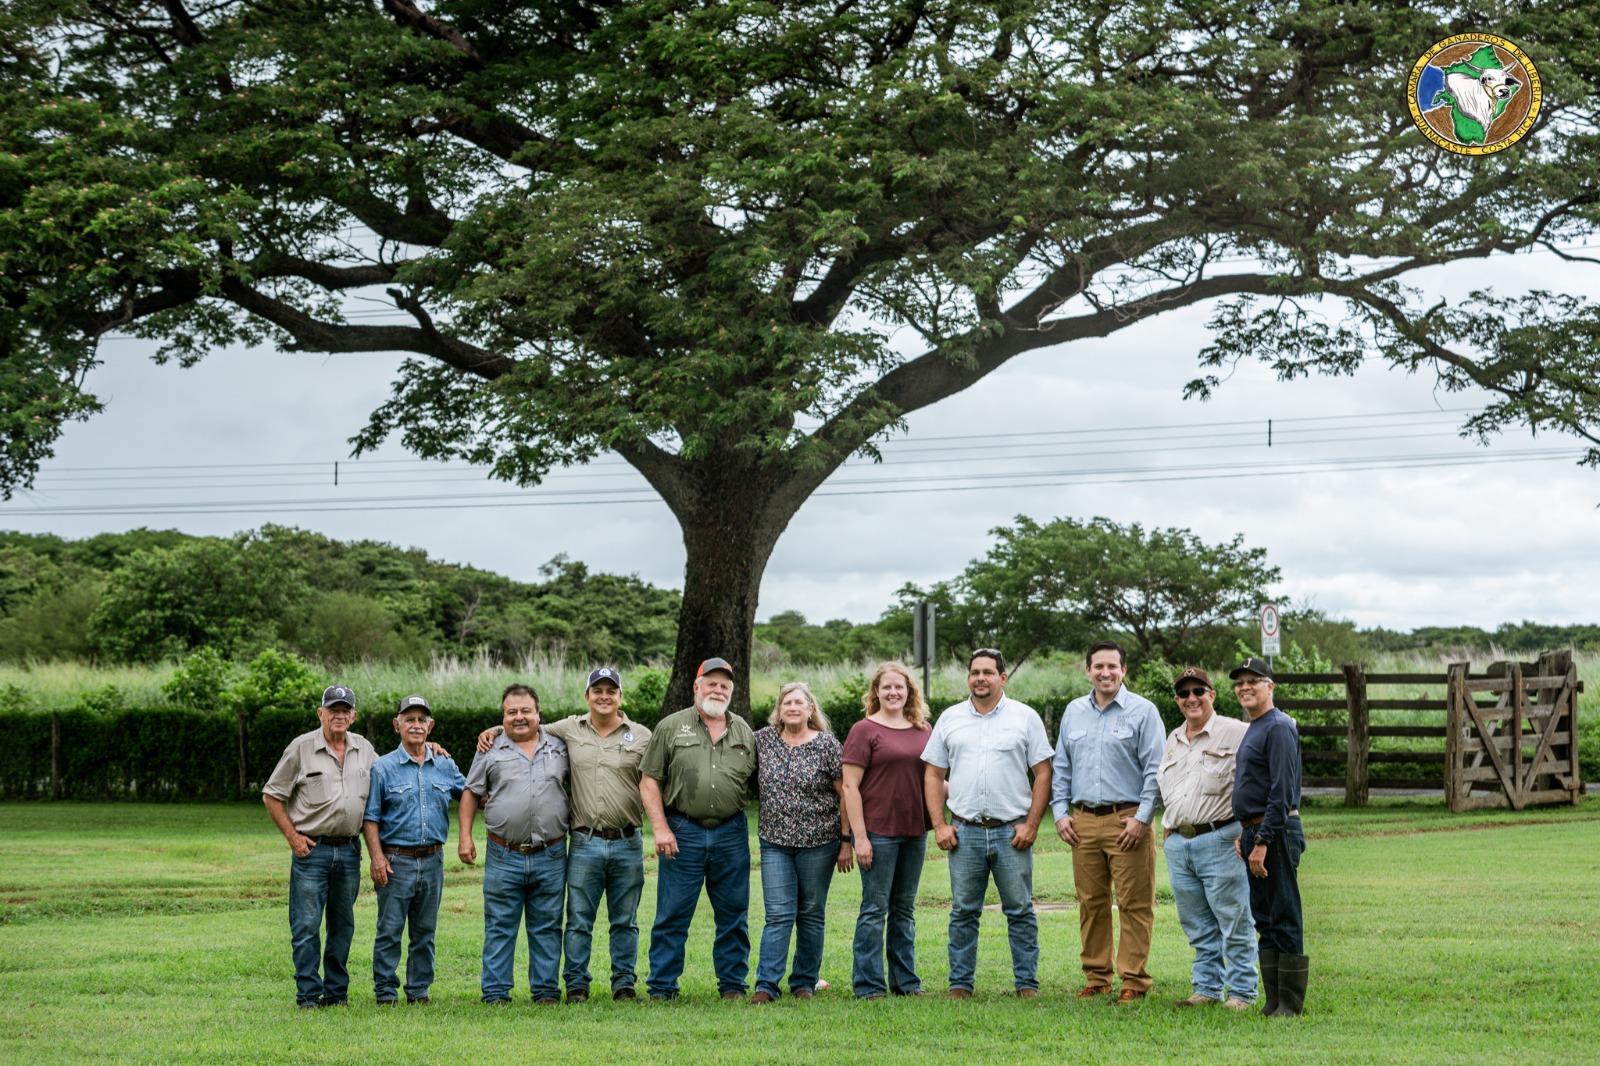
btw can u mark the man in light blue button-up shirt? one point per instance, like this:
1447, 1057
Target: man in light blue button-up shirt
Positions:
1104, 792
406, 824
978, 759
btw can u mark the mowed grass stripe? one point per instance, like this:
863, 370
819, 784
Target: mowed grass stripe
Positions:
1426, 945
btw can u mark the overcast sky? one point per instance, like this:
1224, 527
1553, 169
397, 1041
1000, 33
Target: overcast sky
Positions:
1433, 529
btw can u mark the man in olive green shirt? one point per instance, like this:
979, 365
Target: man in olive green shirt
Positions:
698, 773
604, 750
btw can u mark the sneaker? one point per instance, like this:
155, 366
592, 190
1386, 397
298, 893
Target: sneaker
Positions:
759, 997
1130, 995
624, 993
1235, 1003
577, 995
1197, 1000
1090, 991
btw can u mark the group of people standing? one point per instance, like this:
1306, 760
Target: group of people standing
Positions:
564, 804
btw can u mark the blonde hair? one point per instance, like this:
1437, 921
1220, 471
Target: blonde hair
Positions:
817, 721
916, 709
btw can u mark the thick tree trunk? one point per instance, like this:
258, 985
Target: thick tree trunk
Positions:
729, 532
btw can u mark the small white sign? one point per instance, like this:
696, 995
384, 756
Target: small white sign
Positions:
1270, 644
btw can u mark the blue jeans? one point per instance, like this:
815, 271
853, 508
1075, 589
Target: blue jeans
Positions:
794, 891
613, 868
411, 896
327, 879
978, 854
517, 886
1212, 890
719, 860
889, 899
1275, 898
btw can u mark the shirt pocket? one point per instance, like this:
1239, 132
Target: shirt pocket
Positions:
1121, 729
315, 787
1216, 773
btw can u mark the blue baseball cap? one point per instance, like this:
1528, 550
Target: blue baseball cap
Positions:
604, 673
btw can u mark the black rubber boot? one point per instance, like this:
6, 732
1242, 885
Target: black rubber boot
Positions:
1292, 973
1269, 981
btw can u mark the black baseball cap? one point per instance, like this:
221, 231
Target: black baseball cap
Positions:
714, 664
411, 703
338, 694
604, 673
1252, 665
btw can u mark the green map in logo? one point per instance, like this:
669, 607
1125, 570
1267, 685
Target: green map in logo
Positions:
1477, 90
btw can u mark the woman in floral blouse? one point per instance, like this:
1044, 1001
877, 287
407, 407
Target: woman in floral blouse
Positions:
804, 838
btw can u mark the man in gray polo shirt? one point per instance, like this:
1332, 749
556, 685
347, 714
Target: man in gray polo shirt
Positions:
978, 758
316, 796
521, 784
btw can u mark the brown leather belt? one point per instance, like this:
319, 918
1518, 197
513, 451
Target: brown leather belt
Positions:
606, 834
412, 853
703, 823
526, 849
1104, 808
1189, 832
986, 823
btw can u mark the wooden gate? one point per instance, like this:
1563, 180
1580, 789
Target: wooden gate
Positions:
1522, 748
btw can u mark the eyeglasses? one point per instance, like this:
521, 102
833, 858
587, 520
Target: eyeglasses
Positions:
1251, 682
1191, 693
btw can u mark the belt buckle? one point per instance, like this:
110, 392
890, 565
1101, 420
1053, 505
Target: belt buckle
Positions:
1187, 832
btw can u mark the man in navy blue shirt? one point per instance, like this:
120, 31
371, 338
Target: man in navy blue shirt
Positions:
1266, 800
406, 823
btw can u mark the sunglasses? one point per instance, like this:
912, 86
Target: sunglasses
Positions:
1188, 693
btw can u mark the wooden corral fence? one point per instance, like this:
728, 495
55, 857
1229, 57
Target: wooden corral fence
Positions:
1517, 748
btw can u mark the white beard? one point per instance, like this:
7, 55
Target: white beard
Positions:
713, 708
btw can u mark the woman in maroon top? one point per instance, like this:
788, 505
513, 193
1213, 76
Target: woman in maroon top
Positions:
883, 799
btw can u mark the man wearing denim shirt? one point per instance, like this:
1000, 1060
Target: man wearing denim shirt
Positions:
521, 784
977, 760
1104, 795
1266, 799
406, 823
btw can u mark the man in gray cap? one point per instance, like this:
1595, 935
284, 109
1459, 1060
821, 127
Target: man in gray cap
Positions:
698, 773
406, 823
1266, 799
1209, 883
316, 796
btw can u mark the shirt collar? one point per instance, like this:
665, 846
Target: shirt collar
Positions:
1116, 701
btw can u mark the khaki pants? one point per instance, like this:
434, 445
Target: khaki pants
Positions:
1097, 865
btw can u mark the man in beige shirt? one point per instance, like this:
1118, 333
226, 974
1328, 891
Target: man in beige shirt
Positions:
1209, 883
316, 796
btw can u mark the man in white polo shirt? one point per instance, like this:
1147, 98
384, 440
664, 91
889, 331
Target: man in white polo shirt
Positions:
978, 760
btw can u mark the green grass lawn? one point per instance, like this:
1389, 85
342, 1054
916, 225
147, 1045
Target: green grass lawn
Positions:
143, 933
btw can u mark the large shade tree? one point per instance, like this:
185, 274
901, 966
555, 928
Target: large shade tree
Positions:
685, 231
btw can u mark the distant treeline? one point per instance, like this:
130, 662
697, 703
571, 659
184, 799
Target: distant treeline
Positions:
147, 596
150, 596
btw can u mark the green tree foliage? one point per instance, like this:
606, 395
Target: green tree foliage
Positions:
144, 596
787, 637
1062, 583
226, 594
685, 232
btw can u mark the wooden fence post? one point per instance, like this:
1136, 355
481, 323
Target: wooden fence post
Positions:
1456, 790
55, 755
1359, 737
244, 769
